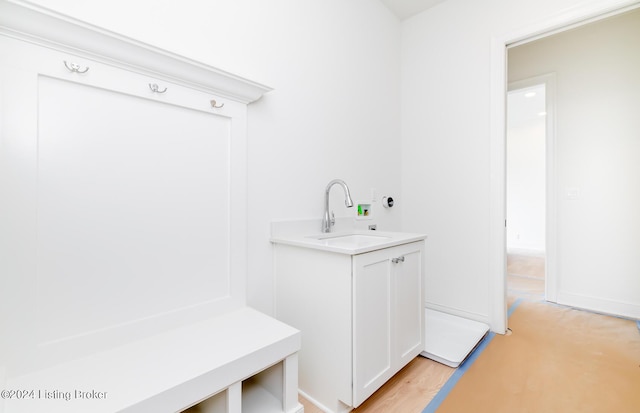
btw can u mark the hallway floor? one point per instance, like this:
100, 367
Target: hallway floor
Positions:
525, 277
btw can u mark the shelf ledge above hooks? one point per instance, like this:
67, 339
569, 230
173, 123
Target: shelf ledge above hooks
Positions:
62, 32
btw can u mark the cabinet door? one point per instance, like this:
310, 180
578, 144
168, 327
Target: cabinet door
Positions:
408, 317
372, 324
388, 318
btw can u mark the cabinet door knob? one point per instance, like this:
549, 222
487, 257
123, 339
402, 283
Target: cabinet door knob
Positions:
397, 260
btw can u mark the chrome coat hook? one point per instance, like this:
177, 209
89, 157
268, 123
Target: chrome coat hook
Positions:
75, 68
156, 89
214, 104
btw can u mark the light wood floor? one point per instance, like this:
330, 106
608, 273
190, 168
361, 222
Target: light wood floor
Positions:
525, 265
411, 390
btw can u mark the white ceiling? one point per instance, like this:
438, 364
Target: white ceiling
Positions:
407, 8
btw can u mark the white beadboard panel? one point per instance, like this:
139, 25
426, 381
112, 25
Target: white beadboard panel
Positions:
130, 222
124, 211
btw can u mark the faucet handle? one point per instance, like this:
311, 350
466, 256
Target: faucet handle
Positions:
333, 219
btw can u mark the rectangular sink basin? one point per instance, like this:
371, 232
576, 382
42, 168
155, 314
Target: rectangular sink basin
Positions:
355, 240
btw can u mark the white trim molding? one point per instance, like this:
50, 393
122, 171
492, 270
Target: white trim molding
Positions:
48, 28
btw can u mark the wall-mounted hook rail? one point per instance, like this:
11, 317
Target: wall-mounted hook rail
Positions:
156, 89
75, 68
214, 104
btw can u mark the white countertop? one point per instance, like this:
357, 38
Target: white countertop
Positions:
349, 242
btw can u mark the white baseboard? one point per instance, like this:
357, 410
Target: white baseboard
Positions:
600, 305
526, 251
325, 409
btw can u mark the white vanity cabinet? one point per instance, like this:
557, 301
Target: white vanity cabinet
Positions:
361, 317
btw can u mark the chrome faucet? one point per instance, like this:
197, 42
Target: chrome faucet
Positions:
327, 221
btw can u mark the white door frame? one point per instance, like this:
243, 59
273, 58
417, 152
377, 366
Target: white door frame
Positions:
572, 17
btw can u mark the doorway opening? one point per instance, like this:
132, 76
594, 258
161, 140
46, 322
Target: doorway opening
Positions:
568, 188
526, 187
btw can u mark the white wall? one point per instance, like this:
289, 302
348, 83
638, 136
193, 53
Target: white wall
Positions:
334, 112
526, 174
448, 66
597, 157
526, 188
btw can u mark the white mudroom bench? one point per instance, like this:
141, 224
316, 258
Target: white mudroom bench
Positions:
242, 361
124, 264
